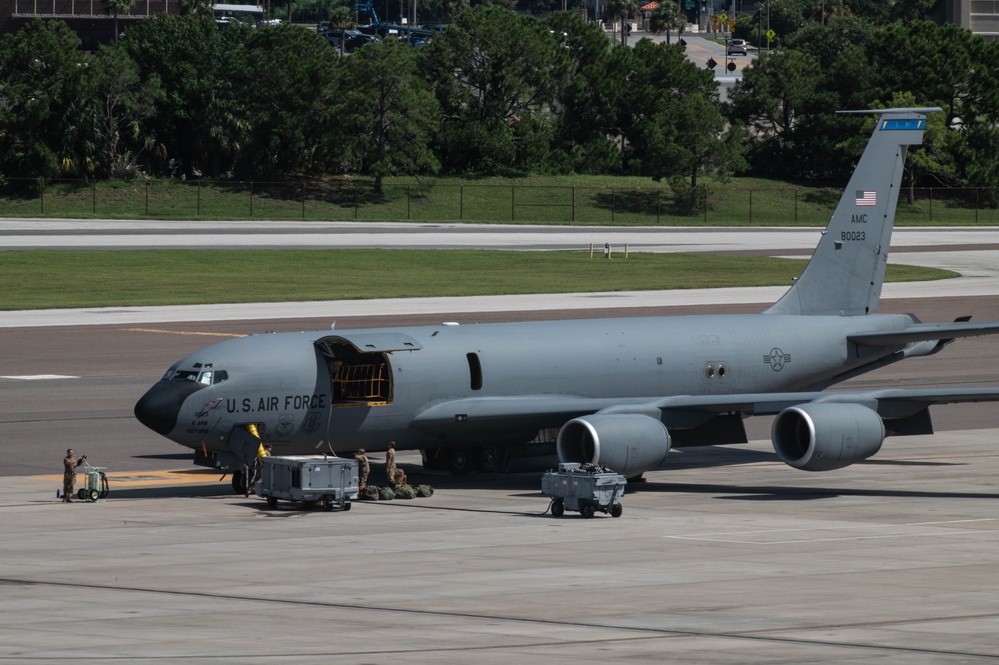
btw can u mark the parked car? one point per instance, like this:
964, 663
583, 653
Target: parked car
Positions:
738, 47
353, 39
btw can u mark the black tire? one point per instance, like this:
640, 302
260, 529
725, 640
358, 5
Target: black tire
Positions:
558, 508
272, 502
459, 461
239, 482
489, 460
94, 495
82, 495
346, 506
616, 510
328, 503
587, 510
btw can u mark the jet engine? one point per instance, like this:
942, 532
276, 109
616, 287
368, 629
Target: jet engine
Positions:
630, 444
826, 436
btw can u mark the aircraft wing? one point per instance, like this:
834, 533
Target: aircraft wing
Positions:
922, 332
491, 417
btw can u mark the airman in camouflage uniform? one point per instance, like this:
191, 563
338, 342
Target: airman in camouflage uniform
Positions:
363, 468
69, 475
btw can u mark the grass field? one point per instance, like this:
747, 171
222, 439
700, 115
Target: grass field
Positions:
582, 200
41, 279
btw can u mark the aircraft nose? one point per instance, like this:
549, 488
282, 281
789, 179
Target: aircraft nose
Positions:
159, 407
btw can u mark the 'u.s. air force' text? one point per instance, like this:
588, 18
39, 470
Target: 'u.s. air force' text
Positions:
276, 403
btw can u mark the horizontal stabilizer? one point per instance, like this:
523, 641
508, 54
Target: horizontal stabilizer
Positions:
922, 332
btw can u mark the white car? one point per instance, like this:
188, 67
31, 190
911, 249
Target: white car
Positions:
738, 47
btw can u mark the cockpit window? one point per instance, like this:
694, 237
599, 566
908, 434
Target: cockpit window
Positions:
205, 377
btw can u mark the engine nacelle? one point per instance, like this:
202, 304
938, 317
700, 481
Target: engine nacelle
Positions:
630, 444
825, 436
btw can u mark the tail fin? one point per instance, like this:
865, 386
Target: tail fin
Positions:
847, 269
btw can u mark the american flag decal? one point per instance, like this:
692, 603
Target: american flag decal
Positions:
867, 198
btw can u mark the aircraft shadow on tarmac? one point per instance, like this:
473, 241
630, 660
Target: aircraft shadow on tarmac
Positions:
786, 493
180, 457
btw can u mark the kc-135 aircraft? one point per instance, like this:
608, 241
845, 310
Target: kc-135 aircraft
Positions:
620, 392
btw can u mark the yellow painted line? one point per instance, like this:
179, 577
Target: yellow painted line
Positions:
183, 332
150, 478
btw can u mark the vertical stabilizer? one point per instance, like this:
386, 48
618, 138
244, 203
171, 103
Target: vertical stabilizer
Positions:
847, 268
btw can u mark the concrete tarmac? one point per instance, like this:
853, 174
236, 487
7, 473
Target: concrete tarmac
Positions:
727, 557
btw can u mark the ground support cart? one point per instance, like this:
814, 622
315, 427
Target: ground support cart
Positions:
95, 483
574, 487
316, 480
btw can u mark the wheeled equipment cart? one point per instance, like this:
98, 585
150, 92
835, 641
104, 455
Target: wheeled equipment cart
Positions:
317, 480
95, 483
583, 488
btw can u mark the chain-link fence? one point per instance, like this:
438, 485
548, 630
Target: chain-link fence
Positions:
514, 203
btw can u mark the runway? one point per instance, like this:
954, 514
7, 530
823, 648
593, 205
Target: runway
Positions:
725, 556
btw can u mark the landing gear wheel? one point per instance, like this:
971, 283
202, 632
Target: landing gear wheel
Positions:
587, 510
82, 495
489, 460
558, 508
93, 496
459, 461
239, 482
616, 510
272, 502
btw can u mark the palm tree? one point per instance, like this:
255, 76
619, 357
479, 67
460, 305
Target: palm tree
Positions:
115, 7
622, 8
342, 19
203, 9
668, 16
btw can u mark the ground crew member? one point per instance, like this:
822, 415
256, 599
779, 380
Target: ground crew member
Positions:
363, 468
263, 450
69, 475
400, 479
390, 463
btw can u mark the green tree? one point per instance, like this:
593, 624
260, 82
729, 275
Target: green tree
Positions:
933, 62
784, 17
772, 96
491, 72
199, 124
666, 17
122, 103
670, 123
289, 80
589, 84
44, 130
388, 114
828, 42
116, 7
